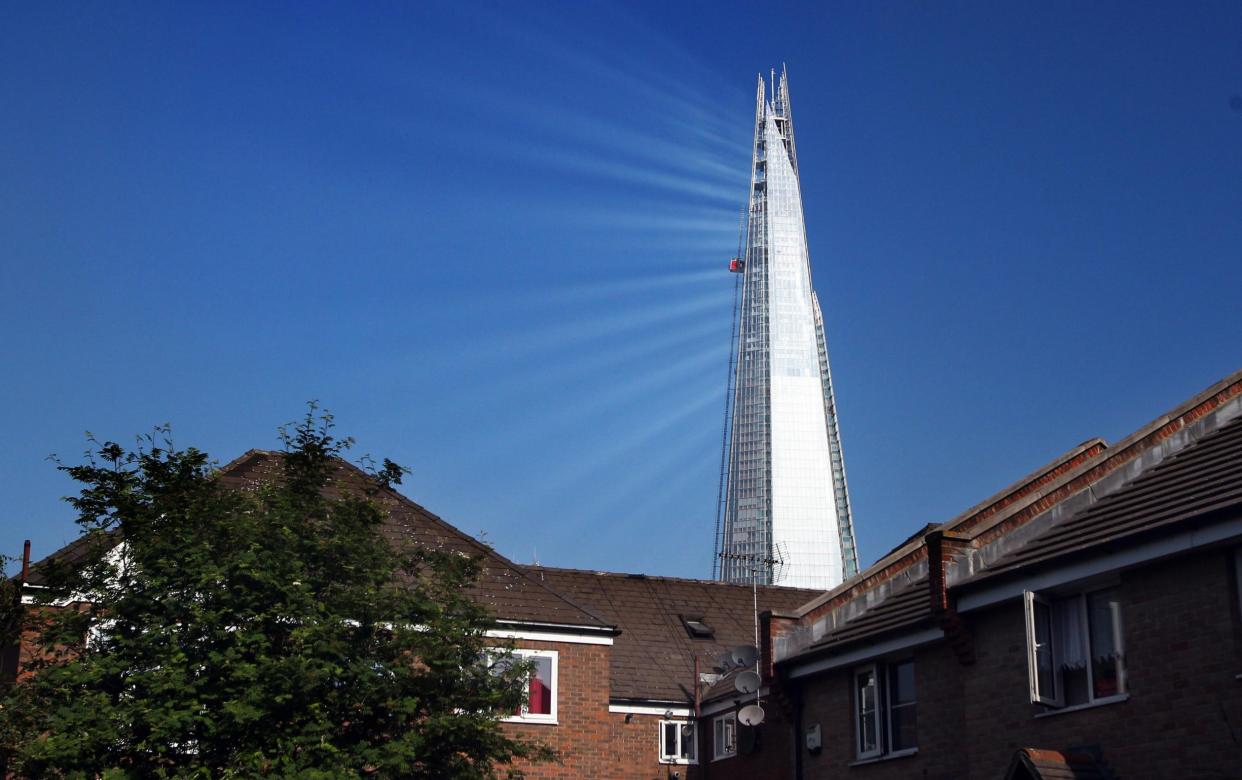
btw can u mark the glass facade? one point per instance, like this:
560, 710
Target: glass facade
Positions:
786, 497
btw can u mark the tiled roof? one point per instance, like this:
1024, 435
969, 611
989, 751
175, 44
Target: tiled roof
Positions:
1203, 479
1038, 764
503, 586
1181, 468
653, 658
70, 554
908, 608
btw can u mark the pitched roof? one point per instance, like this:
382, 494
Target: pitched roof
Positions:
508, 591
1202, 479
1183, 467
1039, 764
907, 608
653, 658
74, 552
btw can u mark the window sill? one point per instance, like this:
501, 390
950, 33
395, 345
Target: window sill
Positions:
532, 721
886, 757
1088, 706
723, 758
671, 762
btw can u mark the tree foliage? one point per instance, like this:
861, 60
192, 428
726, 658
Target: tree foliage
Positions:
270, 631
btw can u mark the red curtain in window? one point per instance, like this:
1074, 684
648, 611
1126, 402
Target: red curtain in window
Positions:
540, 697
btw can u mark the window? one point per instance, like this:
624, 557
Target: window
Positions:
696, 628
1074, 650
1237, 573
724, 737
677, 738
539, 704
885, 709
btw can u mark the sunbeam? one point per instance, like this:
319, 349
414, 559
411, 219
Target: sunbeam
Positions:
645, 479
619, 287
516, 346
611, 454
642, 353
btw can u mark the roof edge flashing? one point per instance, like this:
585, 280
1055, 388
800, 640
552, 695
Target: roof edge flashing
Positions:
977, 560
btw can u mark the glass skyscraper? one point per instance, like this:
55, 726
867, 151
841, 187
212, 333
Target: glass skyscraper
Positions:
786, 510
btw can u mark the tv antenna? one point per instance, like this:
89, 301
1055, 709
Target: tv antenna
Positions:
745, 656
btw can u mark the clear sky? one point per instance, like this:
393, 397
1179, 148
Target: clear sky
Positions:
492, 239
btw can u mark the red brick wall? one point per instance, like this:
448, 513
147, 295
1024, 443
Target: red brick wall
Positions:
583, 723
1183, 646
591, 741
634, 749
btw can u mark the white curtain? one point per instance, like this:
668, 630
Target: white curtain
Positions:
1070, 637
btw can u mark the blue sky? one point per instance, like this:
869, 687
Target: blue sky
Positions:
491, 237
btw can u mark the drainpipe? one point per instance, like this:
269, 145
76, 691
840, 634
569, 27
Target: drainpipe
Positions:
796, 690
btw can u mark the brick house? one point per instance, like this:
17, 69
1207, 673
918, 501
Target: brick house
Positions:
664, 721
615, 654
1084, 622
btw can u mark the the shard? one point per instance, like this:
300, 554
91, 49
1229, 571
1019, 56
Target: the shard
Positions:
786, 511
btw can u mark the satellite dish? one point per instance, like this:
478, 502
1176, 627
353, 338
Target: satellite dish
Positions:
750, 715
744, 655
747, 682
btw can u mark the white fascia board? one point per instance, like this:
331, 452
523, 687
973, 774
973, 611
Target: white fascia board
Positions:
678, 710
550, 636
1183, 542
536, 625
866, 653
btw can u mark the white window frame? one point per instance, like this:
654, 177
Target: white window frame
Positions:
878, 750
724, 735
530, 717
883, 715
674, 756
1056, 698
1034, 650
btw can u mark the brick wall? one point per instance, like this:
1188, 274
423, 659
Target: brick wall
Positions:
1183, 647
1184, 714
582, 726
828, 702
766, 755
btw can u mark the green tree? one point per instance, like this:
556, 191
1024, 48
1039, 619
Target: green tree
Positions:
266, 631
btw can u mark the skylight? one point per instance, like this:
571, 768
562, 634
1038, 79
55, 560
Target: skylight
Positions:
696, 628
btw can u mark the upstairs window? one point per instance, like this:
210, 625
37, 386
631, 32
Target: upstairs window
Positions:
724, 737
539, 702
885, 709
1074, 648
677, 742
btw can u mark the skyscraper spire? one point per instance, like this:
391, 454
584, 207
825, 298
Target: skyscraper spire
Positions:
786, 496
